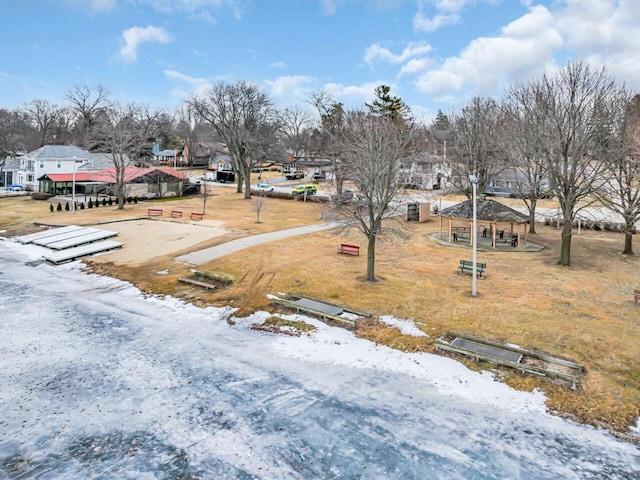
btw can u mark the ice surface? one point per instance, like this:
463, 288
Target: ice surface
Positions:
102, 381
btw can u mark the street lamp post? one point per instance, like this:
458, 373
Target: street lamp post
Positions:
474, 237
73, 188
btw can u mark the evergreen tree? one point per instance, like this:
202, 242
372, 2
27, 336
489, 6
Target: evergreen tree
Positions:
387, 105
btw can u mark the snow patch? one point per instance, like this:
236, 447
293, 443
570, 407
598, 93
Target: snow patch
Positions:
406, 327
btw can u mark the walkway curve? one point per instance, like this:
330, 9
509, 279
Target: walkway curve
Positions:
209, 254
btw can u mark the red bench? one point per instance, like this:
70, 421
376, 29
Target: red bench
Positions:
153, 212
636, 295
196, 216
349, 249
176, 213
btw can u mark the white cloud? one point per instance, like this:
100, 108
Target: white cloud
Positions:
278, 65
191, 85
289, 86
421, 23
525, 46
605, 32
358, 94
377, 52
135, 36
415, 65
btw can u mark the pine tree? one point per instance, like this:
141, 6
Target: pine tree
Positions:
388, 105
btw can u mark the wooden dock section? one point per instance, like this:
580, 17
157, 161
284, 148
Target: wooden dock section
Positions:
518, 358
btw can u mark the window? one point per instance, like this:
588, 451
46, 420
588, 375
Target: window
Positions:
41, 164
59, 163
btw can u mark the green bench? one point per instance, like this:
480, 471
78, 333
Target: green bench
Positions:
467, 266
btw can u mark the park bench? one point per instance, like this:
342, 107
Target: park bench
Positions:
176, 213
636, 295
467, 266
196, 216
349, 249
153, 212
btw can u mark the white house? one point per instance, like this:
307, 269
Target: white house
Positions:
52, 159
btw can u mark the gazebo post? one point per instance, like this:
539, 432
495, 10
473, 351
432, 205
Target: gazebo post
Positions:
440, 233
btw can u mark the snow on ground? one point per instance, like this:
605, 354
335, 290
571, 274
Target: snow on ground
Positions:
406, 327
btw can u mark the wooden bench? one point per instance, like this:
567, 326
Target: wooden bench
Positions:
349, 249
196, 216
176, 213
153, 212
636, 295
204, 285
467, 266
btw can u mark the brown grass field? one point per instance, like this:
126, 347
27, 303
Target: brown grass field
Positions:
584, 313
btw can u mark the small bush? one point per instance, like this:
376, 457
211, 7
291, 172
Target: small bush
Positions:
82, 206
51, 207
90, 204
67, 207
59, 207
135, 200
104, 202
110, 201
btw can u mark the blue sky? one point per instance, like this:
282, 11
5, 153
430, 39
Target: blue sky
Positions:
436, 54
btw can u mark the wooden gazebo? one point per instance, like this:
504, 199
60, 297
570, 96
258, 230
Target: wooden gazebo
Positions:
493, 219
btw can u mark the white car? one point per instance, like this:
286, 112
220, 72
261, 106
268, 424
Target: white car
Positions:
264, 187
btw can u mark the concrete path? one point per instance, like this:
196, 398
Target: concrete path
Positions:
209, 254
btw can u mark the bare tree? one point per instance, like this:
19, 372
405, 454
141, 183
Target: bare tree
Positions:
86, 104
325, 141
373, 150
242, 117
528, 164
621, 190
123, 132
475, 147
258, 204
577, 105
44, 116
296, 130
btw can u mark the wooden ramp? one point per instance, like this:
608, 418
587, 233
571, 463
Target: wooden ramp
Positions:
320, 308
500, 354
47, 233
69, 254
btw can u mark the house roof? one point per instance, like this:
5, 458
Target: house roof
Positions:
58, 152
487, 210
108, 175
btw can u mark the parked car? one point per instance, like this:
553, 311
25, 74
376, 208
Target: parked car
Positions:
344, 197
308, 189
294, 175
264, 187
16, 187
319, 177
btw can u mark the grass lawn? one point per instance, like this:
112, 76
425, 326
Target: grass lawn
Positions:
584, 313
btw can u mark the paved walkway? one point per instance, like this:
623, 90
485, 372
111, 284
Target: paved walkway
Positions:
209, 254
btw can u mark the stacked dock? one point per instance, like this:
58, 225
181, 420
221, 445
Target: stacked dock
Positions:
72, 242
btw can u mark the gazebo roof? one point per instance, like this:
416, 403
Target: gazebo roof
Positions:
487, 210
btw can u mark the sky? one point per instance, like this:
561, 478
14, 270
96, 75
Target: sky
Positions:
435, 54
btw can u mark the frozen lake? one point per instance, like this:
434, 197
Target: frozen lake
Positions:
100, 381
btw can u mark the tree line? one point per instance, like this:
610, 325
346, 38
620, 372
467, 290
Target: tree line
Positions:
573, 134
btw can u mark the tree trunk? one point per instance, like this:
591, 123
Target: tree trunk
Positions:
532, 216
247, 189
239, 183
371, 257
565, 249
628, 239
